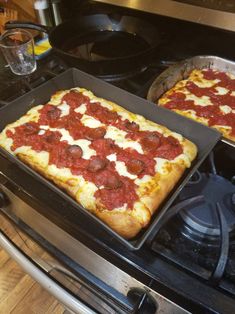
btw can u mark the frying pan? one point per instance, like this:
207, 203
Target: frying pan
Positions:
101, 44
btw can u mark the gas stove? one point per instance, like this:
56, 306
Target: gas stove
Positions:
189, 263
201, 237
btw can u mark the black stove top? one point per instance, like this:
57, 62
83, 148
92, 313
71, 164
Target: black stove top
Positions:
192, 257
201, 238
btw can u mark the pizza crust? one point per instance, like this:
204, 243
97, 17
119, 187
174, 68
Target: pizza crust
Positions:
127, 222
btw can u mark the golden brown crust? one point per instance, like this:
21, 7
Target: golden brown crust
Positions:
163, 186
38, 167
125, 221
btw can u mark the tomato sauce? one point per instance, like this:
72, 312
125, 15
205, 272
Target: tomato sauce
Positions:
74, 99
118, 197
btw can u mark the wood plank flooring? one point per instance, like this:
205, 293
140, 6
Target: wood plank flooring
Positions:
19, 293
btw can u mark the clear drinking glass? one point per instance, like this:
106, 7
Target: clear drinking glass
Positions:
17, 47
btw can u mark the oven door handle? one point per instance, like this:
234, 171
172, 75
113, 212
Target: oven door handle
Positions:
53, 288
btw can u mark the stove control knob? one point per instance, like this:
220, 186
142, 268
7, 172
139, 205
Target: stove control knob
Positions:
4, 201
143, 302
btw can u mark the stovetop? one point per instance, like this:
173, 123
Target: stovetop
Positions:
192, 257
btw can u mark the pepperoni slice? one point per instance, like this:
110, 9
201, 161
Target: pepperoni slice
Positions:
96, 164
132, 126
135, 166
112, 182
110, 116
95, 134
52, 138
74, 151
30, 128
150, 142
53, 113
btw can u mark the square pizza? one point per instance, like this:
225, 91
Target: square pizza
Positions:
115, 163
206, 96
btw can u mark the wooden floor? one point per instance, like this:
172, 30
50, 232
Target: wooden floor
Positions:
18, 292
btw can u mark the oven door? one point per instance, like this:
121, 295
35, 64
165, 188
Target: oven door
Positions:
80, 279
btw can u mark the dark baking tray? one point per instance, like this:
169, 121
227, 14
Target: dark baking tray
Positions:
204, 137
181, 70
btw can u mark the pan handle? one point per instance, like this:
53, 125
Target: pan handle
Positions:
28, 25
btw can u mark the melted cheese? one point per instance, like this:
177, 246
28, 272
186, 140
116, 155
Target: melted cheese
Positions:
56, 98
118, 136
84, 190
121, 167
84, 144
225, 109
85, 193
42, 157
146, 125
199, 101
41, 132
65, 108
122, 170
94, 99
125, 115
223, 126
61, 172
33, 111
161, 165
81, 109
122, 208
112, 157
146, 178
90, 121
32, 115
179, 137
105, 104
191, 112
22, 150
221, 90
6, 141
205, 83
183, 158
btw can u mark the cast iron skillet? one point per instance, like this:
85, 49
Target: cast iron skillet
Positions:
108, 44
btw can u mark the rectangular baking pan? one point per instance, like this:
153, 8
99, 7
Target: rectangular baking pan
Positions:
181, 70
205, 138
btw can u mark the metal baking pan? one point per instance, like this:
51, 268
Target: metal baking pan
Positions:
205, 138
181, 70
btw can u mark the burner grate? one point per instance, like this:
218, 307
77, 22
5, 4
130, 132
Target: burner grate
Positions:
201, 237
18, 86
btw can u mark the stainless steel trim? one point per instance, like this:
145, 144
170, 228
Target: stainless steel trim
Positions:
58, 292
55, 4
74, 284
88, 259
182, 11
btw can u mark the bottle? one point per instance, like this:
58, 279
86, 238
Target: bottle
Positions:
55, 5
43, 12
